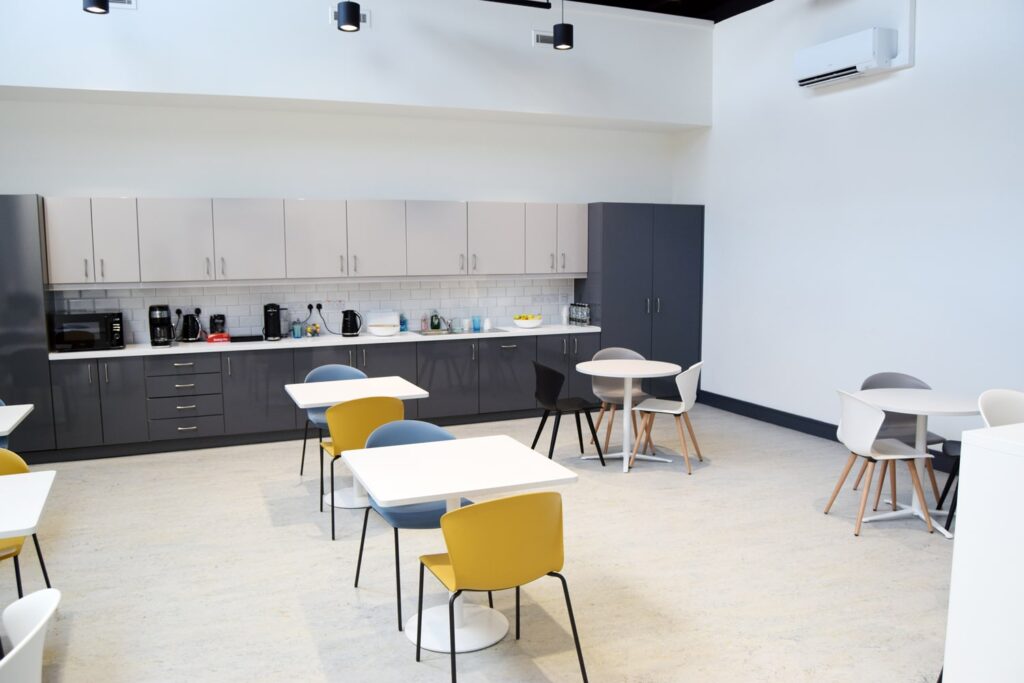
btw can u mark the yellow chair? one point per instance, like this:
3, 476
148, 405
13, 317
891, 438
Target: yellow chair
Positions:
11, 463
350, 424
497, 545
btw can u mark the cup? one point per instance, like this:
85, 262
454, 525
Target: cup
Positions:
487, 324
476, 323
466, 324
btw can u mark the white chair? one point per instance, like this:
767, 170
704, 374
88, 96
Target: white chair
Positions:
859, 423
686, 382
26, 622
610, 390
1001, 407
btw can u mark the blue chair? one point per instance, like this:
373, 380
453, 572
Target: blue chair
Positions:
417, 516
3, 439
316, 417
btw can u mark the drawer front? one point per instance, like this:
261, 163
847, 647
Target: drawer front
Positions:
186, 428
190, 385
184, 406
189, 364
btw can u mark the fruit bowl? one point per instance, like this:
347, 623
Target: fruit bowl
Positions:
528, 323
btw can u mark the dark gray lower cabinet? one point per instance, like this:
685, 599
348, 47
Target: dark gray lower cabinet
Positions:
77, 416
449, 371
507, 380
387, 360
562, 353
254, 395
123, 399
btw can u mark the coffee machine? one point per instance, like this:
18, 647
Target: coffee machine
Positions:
161, 329
271, 322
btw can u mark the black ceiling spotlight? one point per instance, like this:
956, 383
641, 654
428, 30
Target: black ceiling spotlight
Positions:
348, 16
563, 33
96, 6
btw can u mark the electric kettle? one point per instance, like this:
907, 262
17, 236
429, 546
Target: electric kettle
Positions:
191, 328
351, 321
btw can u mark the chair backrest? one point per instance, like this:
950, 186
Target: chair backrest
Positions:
1001, 407
506, 542
351, 423
686, 383
26, 622
893, 380
611, 386
11, 463
549, 385
859, 422
405, 432
333, 373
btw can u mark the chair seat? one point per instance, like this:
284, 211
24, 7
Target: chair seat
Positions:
570, 405
660, 405
951, 448
894, 449
615, 397
416, 516
330, 449
11, 547
440, 565
900, 432
318, 416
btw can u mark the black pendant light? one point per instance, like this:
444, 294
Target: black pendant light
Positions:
96, 6
348, 16
563, 33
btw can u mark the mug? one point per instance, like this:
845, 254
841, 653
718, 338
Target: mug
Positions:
476, 323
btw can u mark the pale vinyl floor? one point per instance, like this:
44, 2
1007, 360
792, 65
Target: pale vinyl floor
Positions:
215, 565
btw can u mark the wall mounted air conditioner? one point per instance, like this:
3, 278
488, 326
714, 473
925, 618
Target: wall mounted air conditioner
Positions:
858, 54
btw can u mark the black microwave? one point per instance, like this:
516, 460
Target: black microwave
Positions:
86, 331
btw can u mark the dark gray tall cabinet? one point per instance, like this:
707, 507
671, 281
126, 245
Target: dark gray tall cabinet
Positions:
645, 281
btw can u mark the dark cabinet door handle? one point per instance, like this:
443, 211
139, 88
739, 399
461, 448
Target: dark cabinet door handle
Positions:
187, 429
576, 346
106, 373
657, 304
364, 357
473, 347
184, 365
509, 346
191, 407
88, 367
565, 346
184, 386
648, 305
351, 361
229, 366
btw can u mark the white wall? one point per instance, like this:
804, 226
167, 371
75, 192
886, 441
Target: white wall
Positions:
462, 54
864, 227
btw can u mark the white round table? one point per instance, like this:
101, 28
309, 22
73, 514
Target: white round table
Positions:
627, 371
922, 403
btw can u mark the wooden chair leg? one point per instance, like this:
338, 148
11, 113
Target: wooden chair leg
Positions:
864, 498
608, 430
646, 425
892, 485
842, 480
636, 446
693, 437
860, 475
881, 483
632, 416
682, 442
931, 475
920, 493
600, 416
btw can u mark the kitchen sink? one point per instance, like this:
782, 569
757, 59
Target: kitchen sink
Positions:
435, 333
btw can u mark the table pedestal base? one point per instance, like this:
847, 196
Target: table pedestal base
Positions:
480, 628
908, 512
347, 498
621, 456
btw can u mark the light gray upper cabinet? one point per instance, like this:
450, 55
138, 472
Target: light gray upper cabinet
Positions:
249, 239
316, 237
376, 238
175, 239
436, 238
497, 238
572, 238
542, 238
69, 251
115, 233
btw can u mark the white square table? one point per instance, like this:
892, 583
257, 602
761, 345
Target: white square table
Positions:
12, 416
22, 497
326, 394
450, 471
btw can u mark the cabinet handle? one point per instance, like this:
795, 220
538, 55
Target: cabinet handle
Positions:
355, 263
565, 346
208, 272
657, 304
341, 262
192, 407
474, 263
229, 366
509, 347
364, 357
187, 429
576, 346
86, 262
103, 270
648, 305
184, 365
563, 260
473, 346
184, 386
350, 361
223, 268
89, 368
552, 261
462, 262
106, 373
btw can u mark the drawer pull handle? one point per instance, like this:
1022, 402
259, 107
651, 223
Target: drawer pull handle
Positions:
510, 346
184, 365
192, 407
184, 386
187, 429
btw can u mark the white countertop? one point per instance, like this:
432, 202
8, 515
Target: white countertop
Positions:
323, 340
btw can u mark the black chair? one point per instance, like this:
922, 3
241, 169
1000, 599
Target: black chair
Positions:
549, 384
950, 449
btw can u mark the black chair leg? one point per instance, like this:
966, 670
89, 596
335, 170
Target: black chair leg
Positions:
952, 508
321, 480
941, 671
517, 612
305, 437
579, 430
398, 581
42, 565
954, 473
451, 629
362, 541
419, 615
333, 460
554, 434
17, 576
593, 433
543, 420
572, 622
490, 599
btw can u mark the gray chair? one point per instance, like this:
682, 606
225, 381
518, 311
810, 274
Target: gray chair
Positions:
899, 426
609, 390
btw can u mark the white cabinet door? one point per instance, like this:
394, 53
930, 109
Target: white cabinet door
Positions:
175, 239
316, 237
69, 240
376, 238
436, 238
497, 238
115, 234
248, 238
541, 238
572, 238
